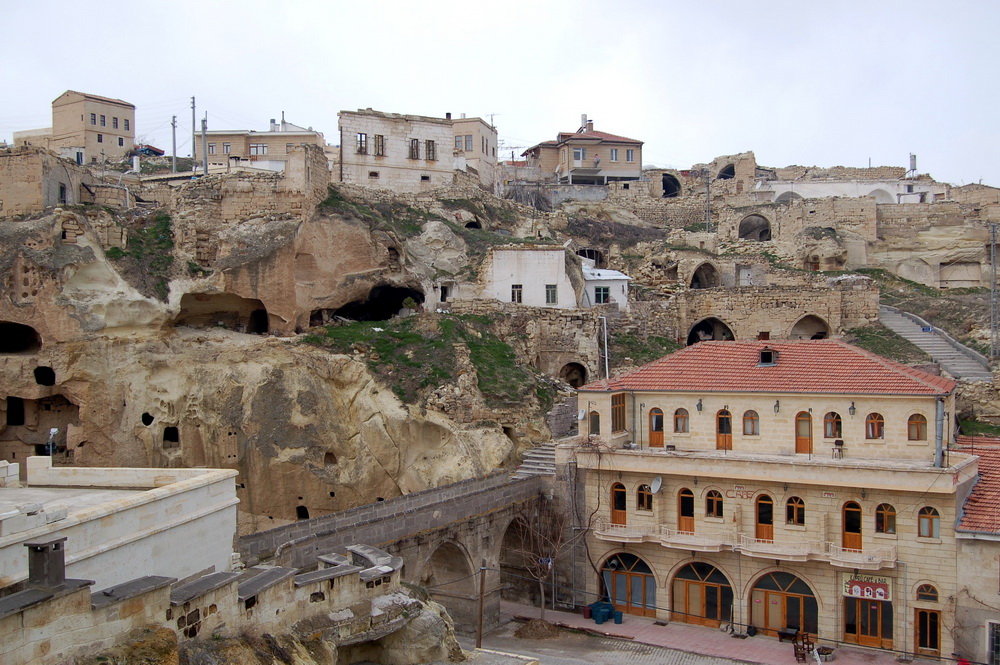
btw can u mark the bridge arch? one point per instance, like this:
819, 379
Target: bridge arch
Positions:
450, 579
709, 328
810, 326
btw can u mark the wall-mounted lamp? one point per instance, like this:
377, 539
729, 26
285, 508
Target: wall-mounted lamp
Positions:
698, 406
851, 410
696, 481
777, 405
786, 487
864, 494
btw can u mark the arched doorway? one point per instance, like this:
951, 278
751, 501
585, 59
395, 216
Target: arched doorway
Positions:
810, 327
782, 601
619, 502
764, 518
574, 374
803, 433
728, 172
629, 584
724, 430
755, 227
701, 595
709, 329
18, 338
518, 586
882, 196
706, 276
671, 186
685, 511
655, 428
851, 538
451, 580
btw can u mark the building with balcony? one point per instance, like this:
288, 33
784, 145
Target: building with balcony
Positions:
587, 157
248, 147
803, 486
85, 128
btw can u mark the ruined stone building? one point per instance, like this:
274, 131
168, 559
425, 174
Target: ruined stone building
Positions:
85, 128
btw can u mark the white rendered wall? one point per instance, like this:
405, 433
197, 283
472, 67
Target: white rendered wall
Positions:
533, 270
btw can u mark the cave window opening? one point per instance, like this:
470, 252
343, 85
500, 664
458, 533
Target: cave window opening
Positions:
727, 173
45, 376
474, 224
147, 419
444, 294
705, 277
171, 436
18, 338
709, 329
15, 411
383, 302
329, 459
671, 186
258, 321
575, 374
301, 512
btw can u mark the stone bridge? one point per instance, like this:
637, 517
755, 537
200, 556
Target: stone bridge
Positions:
443, 534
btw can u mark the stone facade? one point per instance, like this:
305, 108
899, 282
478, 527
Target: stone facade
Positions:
587, 156
33, 179
227, 147
86, 128
403, 153
476, 144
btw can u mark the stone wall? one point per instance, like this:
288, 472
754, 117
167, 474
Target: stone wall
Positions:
33, 179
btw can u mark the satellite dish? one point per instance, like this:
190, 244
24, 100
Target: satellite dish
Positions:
657, 484
580, 415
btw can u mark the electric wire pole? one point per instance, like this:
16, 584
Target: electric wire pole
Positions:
173, 135
993, 290
204, 143
194, 135
708, 200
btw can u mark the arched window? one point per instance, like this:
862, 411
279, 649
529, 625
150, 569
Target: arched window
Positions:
832, 426
885, 518
713, 504
795, 511
595, 422
751, 424
618, 504
681, 421
929, 523
724, 430
644, 498
685, 511
874, 426
927, 592
916, 428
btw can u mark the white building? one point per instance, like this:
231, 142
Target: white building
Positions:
118, 522
604, 287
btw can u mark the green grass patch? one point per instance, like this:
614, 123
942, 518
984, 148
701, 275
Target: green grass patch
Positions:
879, 339
640, 351
148, 258
976, 428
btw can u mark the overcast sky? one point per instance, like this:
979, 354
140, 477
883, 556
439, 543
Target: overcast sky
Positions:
797, 82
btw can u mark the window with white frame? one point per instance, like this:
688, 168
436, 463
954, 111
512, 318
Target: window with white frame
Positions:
468, 142
579, 154
516, 292
551, 294
114, 123
614, 154
211, 148
104, 121
459, 142
226, 147
630, 155
126, 124
258, 148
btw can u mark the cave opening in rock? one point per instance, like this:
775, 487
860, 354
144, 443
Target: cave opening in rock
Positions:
755, 227
45, 376
671, 186
810, 327
574, 374
301, 512
706, 277
383, 302
15, 411
18, 338
171, 437
30, 421
728, 172
709, 329
226, 310
147, 419
474, 225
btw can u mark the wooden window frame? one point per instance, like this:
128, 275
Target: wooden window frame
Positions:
682, 421
916, 427
795, 511
874, 427
618, 413
714, 506
751, 422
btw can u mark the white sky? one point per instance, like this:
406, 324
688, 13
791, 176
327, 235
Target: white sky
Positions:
798, 82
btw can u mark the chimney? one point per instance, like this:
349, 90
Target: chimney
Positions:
447, 116
590, 125
46, 564
274, 125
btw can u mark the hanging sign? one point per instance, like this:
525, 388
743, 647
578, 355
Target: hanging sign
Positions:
875, 587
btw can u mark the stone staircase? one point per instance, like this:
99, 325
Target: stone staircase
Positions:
539, 461
958, 360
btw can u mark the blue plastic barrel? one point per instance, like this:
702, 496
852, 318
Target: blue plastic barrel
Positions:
618, 617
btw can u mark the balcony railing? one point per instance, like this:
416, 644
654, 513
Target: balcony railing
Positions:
785, 551
865, 559
685, 540
621, 533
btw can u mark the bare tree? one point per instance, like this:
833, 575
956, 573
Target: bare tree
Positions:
539, 536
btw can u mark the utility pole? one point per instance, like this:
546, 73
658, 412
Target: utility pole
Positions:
482, 594
194, 135
708, 200
993, 290
204, 143
173, 135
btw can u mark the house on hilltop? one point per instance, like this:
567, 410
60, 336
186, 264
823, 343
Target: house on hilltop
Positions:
587, 157
269, 150
85, 128
802, 487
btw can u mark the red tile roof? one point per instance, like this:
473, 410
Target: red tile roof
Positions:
806, 366
982, 507
594, 134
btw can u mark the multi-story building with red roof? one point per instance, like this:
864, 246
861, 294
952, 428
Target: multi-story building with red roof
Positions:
793, 487
587, 157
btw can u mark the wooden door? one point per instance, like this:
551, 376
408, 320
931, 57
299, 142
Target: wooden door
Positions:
685, 511
618, 503
869, 623
928, 623
852, 527
764, 518
724, 430
803, 433
655, 428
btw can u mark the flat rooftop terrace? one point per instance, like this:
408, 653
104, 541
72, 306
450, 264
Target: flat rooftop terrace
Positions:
52, 499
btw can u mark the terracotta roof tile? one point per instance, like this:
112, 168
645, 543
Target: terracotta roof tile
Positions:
806, 366
982, 507
594, 134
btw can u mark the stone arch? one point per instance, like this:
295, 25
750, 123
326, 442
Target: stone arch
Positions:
787, 197
727, 172
207, 310
630, 583
450, 579
782, 582
709, 328
881, 196
382, 303
18, 338
755, 227
705, 577
575, 374
810, 326
518, 584
706, 276
671, 186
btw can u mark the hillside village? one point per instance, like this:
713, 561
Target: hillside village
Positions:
297, 331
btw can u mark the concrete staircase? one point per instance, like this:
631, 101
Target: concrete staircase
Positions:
539, 461
958, 360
